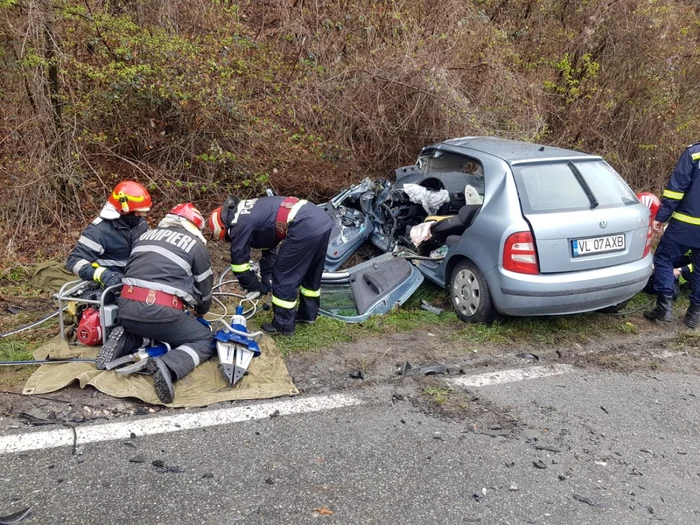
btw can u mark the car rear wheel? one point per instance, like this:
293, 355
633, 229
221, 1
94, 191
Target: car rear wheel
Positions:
470, 294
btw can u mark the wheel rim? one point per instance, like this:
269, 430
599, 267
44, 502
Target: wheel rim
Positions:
466, 292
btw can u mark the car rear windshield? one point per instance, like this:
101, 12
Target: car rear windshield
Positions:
569, 186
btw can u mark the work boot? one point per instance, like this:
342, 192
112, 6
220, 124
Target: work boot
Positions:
270, 328
663, 309
162, 379
692, 315
119, 343
298, 319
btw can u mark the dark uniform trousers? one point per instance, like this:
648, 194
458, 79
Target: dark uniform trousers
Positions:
680, 206
298, 270
666, 256
191, 342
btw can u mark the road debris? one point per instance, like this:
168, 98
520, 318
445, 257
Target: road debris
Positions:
324, 511
357, 374
539, 464
15, 517
139, 458
425, 305
429, 370
162, 468
584, 499
529, 356
547, 448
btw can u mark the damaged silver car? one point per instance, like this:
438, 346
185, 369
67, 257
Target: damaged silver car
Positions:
507, 227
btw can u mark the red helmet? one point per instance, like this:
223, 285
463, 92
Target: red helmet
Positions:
129, 196
189, 212
651, 201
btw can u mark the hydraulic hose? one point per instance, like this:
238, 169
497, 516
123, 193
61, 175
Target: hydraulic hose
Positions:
32, 325
46, 362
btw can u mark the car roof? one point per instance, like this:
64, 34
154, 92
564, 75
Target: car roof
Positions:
511, 151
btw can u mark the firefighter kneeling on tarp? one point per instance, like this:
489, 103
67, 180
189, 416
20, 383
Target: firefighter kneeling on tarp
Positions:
301, 229
169, 269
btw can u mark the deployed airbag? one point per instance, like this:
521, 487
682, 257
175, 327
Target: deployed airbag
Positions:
431, 200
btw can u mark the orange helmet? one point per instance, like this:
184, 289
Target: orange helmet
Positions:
189, 212
651, 201
219, 218
129, 196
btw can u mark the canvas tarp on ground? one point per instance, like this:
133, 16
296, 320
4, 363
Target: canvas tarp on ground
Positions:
267, 378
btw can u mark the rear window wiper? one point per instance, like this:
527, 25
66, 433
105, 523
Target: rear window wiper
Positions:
586, 188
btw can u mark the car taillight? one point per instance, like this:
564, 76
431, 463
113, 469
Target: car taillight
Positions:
650, 233
519, 254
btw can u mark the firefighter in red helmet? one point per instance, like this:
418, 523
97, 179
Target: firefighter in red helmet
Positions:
169, 271
105, 244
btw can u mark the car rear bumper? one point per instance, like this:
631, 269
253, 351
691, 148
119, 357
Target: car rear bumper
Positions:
566, 293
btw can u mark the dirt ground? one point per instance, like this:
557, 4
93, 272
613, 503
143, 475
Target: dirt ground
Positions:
397, 359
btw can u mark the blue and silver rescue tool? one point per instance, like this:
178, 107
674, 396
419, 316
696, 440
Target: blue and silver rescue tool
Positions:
236, 347
138, 359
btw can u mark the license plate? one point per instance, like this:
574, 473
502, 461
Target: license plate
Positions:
611, 243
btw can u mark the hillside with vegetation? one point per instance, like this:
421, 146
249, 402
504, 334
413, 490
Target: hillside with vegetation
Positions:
200, 98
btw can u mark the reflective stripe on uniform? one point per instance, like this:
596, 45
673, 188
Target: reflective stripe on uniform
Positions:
94, 246
686, 218
283, 304
98, 274
310, 293
191, 352
79, 265
238, 268
182, 263
199, 278
695, 156
675, 195
294, 210
111, 262
690, 267
239, 208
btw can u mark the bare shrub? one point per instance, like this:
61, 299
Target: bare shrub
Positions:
197, 99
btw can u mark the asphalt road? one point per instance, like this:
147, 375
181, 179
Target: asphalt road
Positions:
586, 447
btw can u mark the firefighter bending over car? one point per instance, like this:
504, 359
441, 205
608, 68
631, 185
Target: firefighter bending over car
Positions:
681, 207
302, 231
105, 244
169, 270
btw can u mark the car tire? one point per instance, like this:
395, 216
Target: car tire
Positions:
470, 294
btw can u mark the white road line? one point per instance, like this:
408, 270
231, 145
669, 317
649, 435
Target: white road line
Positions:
509, 376
158, 425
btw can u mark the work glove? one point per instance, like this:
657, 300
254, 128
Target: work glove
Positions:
250, 283
107, 277
266, 280
258, 286
267, 265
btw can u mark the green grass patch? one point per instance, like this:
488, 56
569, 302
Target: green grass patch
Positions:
16, 349
545, 330
326, 331
437, 395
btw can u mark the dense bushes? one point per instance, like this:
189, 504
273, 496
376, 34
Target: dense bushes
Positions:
198, 98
